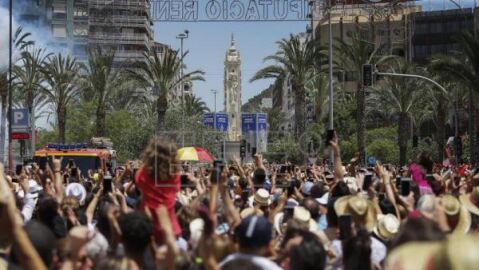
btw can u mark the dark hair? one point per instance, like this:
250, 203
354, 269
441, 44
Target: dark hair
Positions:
417, 229
259, 176
310, 254
42, 239
425, 161
136, 229
387, 207
318, 190
312, 206
357, 251
341, 189
474, 222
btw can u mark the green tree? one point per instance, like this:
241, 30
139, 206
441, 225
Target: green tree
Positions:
404, 97
60, 74
99, 82
194, 106
162, 73
294, 61
351, 56
465, 68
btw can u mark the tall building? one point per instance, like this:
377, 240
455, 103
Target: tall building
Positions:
385, 25
122, 25
75, 25
435, 32
232, 88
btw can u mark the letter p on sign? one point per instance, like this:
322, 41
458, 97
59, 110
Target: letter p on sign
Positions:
19, 119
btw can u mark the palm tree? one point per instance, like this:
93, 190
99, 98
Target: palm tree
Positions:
162, 73
99, 83
465, 68
294, 61
20, 43
404, 97
60, 74
194, 106
351, 57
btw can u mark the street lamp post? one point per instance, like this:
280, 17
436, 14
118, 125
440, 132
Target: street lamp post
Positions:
214, 114
331, 93
10, 90
181, 37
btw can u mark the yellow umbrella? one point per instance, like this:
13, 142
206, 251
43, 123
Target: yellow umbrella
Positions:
193, 154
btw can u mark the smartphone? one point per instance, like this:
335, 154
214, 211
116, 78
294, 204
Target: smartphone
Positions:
42, 164
71, 162
345, 227
107, 184
253, 151
329, 136
398, 182
291, 185
184, 180
74, 172
368, 180
18, 169
405, 186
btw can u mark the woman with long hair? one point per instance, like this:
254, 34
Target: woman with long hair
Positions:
158, 181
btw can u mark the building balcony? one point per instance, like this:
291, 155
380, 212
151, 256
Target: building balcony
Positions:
120, 4
121, 20
107, 38
129, 54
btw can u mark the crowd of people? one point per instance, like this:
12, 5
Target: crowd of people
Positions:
165, 214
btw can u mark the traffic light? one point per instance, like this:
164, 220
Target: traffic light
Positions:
243, 149
368, 70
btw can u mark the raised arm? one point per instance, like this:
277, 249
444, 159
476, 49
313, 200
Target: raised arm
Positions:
338, 164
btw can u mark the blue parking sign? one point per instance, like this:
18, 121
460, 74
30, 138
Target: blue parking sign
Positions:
20, 119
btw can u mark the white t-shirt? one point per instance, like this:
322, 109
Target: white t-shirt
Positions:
262, 262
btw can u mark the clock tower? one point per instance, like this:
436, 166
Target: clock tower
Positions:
232, 87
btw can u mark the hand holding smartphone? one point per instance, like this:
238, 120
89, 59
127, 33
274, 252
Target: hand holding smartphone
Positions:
329, 136
405, 186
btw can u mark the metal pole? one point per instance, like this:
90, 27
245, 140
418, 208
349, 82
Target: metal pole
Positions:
331, 93
10, 90
413, 76
214, 114
182, 99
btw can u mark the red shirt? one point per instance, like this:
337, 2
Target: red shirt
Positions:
156, 193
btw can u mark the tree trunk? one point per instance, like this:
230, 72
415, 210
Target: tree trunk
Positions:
100, 121
161, 107
62, 119
472, 127
361, 123
403, 136
441, 131
299, 104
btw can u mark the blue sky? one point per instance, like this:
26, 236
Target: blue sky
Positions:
208, 42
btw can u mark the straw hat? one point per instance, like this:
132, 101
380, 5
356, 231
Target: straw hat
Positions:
261, 197
387, 226
359, 208
303, 216
76, 190
413, 255
352, 184
452, 207
471, 201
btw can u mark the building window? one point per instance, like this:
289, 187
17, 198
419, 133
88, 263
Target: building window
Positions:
80, 30
59, 31
80, 12
436, 27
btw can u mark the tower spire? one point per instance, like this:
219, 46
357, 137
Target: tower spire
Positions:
232, 40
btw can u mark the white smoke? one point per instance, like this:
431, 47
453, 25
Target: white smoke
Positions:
4, 28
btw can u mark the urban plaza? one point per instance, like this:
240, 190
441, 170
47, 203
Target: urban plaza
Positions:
239, 134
